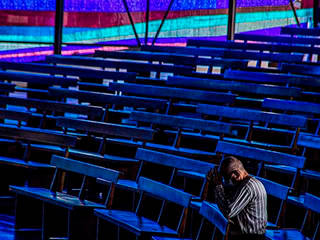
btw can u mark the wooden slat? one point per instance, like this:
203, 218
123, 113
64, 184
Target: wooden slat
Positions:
312, 202
224, 53
130, 65
274, 189
67, 70
213, 214
47, 105
173, 161
14, 115
164, 191
286, 105
169, 92
85, 168
309, 141
7, 87
252, 46
181, 122
106, 128
133, 223
103, 98
277, 39
272, 78
58, 198
303, 69
147, 56
253, 88
259, 154
37, 135
254, 115
38, 78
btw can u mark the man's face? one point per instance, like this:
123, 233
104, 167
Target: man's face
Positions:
233, 174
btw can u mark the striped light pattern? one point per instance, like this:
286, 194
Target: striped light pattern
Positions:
91, 21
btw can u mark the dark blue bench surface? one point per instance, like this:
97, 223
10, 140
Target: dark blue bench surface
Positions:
14, 115
181, 122
302, 69
147, 56
272, 78
173, 93
36, 135
277, 39
176, 58
223, 53
295, 106
67, 70
47, 105
40, 79
129, 65
56, 198
106, 128
7, 87
213, 215
87, 96
134, 223
212, 84
253, 46
253, 115
267, 156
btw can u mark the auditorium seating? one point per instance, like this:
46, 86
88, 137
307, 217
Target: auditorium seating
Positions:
300, 44
141, 225
175, 166
178, 128
174, 58
279, 192
210, 213
74, 223
285, 127
174, 96
25, 141
138, 67
229, 54
283, 40
311, 205
160, 119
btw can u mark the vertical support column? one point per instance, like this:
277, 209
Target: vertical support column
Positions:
162, 21
147, 23
58, 26
131, 21
315, 13
295, 12
231, 19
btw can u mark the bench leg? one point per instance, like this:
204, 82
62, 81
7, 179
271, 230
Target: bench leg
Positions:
81, 224
28, 212
106, 230
54, 221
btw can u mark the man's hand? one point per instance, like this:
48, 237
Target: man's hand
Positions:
214, 176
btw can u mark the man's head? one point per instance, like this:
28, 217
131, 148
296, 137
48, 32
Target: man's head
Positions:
232, 169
